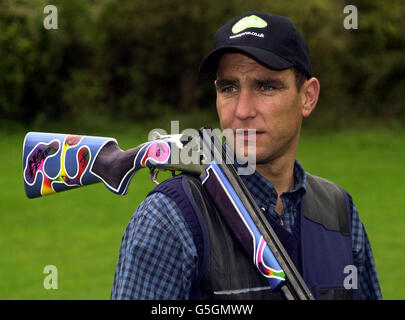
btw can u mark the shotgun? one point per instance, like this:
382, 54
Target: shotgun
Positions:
57, 162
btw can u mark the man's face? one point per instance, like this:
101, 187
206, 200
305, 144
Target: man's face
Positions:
251, 96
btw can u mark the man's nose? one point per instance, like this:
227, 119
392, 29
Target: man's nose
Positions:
245, 107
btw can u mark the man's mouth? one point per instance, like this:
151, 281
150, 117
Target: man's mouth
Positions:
248, 134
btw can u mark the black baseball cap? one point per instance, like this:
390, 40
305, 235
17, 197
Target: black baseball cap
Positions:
270, 39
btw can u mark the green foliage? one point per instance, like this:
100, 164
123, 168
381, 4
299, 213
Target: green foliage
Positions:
132, 59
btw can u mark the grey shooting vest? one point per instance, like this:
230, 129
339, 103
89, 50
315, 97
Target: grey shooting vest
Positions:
320, 245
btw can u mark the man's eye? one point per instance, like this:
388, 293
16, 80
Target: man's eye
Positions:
267, 88
229, 89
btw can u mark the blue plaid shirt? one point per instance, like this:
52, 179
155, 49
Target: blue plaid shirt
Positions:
158, 258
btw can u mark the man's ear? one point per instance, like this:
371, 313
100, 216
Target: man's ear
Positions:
309, 94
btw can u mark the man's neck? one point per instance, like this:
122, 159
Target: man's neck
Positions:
281, 175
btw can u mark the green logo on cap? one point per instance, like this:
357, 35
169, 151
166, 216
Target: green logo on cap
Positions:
249, 22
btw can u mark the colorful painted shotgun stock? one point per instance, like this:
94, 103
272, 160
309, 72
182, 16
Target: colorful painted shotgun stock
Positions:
58, 162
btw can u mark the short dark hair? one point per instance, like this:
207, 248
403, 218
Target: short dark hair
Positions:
300, 77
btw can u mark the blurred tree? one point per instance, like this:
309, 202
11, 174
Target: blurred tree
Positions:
134, 59
158, 45
375, 58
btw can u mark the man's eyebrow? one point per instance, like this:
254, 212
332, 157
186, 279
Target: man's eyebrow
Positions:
222, 82
270, 81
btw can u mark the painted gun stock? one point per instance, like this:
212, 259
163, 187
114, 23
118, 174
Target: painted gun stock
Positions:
57, 162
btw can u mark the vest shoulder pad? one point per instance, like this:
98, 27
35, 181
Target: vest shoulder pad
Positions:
325, 203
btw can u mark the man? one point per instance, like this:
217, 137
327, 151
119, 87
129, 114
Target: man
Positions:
264, 82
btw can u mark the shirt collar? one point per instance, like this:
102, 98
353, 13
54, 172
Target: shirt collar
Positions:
263, 190
257, 181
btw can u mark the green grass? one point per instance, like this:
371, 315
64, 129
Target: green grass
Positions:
79, 231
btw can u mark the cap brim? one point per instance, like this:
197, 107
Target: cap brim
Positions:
267, 58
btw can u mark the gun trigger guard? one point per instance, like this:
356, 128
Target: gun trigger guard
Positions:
153, 173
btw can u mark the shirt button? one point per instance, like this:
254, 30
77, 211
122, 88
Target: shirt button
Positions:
263, 209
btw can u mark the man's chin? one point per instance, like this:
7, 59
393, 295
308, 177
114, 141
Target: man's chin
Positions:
252, 154
255, 157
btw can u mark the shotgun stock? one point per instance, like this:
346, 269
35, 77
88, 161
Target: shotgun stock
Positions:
57, 162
